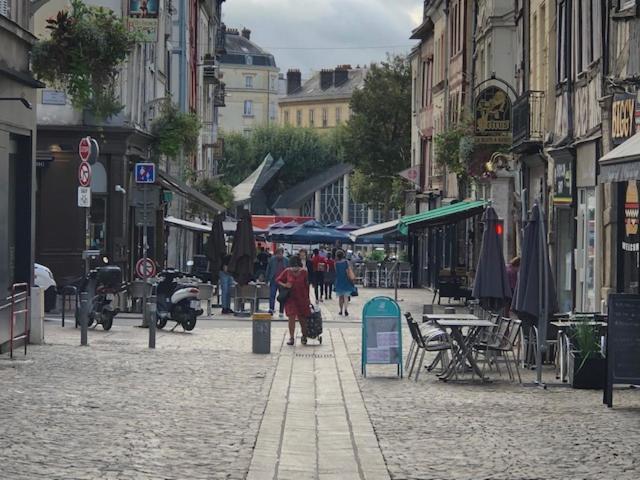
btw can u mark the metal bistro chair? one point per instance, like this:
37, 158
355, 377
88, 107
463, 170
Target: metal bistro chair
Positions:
405, 275
205, 293
504, 342
358, 270
371, 274
245, 294
434, 339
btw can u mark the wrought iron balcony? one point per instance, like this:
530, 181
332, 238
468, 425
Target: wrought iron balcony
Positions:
528, 118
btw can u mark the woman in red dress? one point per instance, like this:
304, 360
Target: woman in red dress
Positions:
297, 304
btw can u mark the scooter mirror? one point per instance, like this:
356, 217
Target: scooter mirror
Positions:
190, 263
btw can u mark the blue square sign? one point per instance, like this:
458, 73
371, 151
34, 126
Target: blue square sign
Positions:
145, 172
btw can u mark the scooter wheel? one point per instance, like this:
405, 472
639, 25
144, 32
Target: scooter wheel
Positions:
160, 322
107, 321
189, 323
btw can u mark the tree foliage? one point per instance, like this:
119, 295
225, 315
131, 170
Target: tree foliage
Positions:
214, 189
378, 135
173, 130
453, 148
83, 54
305, 153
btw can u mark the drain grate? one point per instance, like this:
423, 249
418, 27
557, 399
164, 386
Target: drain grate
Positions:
316, 355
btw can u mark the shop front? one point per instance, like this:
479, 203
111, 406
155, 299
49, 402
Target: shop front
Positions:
620, 174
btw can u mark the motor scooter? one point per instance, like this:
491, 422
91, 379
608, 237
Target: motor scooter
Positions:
176, 301
102, 284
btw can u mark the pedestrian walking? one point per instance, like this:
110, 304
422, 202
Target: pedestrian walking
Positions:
329, 277
275, 266
344, 282
295, 279
319, 264
306, 261
225, 282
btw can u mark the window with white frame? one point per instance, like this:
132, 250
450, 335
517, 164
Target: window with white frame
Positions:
587, 48
286, 117
248, 107
311, 117
248, 81
562, 40
272, 111
325, 118
338, 115
298, 118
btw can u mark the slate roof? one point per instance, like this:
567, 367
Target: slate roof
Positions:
238, 48
296, 195
311, 90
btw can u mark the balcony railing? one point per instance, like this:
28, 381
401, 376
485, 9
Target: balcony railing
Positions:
528, 118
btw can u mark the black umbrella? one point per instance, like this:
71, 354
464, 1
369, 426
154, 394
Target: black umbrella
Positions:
491, 285
243, 250
216, 247
535, 294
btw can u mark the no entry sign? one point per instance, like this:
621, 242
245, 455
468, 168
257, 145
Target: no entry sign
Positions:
145, 268
84, 149
84, 174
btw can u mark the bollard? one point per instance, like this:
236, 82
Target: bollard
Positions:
84, 312
262, 332
151, 320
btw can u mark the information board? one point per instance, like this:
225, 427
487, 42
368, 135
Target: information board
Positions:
381, 333
623, 343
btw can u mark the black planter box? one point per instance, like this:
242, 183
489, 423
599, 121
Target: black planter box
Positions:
590, 376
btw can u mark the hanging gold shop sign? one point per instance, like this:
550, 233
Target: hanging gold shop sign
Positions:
493, 117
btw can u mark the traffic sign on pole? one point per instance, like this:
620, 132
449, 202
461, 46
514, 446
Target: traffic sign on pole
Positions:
145, 172
84, 174
84, 149
84, 197
145, 268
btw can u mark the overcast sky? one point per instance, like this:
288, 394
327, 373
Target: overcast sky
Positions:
293, 30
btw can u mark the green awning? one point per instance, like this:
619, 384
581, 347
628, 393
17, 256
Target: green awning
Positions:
441, 216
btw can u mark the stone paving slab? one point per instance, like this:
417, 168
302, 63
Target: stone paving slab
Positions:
466, 430
189, 410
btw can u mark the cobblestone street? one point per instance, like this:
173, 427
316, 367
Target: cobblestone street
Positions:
203, 407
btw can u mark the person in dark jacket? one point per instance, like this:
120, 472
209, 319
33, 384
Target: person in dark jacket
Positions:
276, 265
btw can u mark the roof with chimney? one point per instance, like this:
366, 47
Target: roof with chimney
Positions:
240, 50
327, 84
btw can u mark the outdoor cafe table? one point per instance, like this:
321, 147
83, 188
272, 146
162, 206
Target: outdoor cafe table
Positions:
463, 351
563, 343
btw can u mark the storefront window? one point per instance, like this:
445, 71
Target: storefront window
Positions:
98, 223
586, 248
564, 252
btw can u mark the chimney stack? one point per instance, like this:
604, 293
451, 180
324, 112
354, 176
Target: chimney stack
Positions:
246, 33
326, 78
342, 74
294, 81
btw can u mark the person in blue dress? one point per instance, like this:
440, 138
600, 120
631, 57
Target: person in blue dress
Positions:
344, 282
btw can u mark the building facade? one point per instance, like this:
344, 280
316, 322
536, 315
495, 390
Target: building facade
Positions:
18, 137
178, 64
251, 80
321, 102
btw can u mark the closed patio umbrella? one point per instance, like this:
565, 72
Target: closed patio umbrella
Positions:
535, 294
243, 250
491, 285
216, 247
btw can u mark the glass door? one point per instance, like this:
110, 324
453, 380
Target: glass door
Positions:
564, 253
586, 251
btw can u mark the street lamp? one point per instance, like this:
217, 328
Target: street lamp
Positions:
18, 99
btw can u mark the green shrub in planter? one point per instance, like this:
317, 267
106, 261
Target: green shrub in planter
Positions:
586, 363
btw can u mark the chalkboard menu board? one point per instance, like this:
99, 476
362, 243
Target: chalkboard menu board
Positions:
381, 333
623, 343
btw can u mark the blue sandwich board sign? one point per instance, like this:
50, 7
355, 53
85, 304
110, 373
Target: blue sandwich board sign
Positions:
145, 172
381, 333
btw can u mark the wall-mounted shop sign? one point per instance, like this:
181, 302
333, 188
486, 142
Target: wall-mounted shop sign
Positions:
623, 123
631, 239
564, 182
492, 117
143, 19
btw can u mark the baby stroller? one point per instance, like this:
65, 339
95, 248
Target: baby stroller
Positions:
314, 324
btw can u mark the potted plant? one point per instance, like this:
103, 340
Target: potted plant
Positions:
586, 364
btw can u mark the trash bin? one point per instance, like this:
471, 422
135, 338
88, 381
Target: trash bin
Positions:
262, 332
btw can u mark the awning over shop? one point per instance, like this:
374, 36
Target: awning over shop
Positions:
441, 216
229, 227
192, 194
378, 228
622, 163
